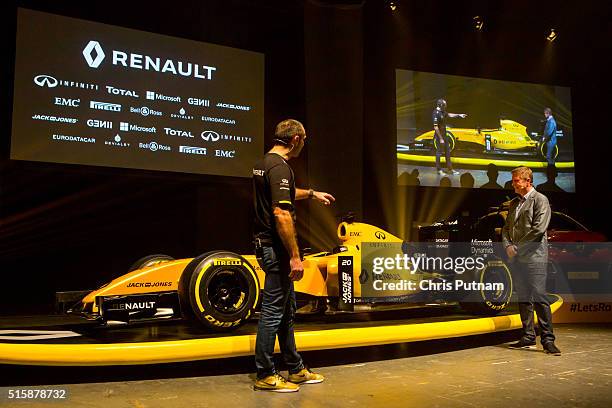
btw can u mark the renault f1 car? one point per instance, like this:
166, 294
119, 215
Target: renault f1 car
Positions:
510, 138
221, 289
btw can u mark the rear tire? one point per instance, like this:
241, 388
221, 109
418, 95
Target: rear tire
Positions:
220, 289
488, 302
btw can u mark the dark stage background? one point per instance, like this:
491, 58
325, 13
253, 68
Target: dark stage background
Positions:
329, 64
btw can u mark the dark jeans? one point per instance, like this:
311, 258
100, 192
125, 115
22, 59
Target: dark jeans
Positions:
278, 308
550, 148
530, 281
446, 148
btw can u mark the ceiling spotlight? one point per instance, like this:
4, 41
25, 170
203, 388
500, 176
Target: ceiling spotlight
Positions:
478, 23
552, 36
393, 5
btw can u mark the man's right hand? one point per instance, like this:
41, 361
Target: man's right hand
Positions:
297, 269
511, 251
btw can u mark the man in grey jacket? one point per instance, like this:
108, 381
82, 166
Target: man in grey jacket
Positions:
524, 237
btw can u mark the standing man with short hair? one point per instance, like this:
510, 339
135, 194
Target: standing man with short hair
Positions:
278, 255
524, 237
439, 122
550, 136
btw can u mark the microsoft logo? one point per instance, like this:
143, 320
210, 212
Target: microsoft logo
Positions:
124, 127
151, 95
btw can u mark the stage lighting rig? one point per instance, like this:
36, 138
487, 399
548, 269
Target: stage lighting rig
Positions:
478, 23
552, 35
392, 4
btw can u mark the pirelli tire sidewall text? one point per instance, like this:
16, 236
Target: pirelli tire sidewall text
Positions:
200, 284
481, 302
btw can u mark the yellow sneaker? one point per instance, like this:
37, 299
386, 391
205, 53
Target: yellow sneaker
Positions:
275, 383
305, 376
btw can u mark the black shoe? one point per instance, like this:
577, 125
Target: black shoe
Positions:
523, 344
550, 348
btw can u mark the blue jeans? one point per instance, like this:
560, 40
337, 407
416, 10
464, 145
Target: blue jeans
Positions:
550, 148
278, 308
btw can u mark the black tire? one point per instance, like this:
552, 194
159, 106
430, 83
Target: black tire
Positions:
450, 137
483, 302
220, 289
542, 151
150, 260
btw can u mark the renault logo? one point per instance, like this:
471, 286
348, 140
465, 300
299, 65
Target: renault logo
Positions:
210, 135
45, 80
87, 53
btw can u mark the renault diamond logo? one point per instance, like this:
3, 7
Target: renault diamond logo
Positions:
45, 80
87, 53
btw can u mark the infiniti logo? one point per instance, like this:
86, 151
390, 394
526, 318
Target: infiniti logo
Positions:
380, 235
45, 80
210, 136
87, 53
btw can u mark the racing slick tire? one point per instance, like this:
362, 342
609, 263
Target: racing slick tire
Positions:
220, 289
542, 151
488, 302
451, 139
150, 260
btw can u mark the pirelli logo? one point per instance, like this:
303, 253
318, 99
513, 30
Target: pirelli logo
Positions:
227, 261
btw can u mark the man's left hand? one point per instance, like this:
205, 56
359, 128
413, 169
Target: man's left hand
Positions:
324, 198
463, 115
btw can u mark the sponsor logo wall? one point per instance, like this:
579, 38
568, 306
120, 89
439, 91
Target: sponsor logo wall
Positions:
89, 99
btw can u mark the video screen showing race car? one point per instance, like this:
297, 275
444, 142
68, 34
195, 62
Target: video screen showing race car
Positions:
94, 94
455, 131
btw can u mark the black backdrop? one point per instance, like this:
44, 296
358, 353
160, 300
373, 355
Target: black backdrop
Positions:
330, 64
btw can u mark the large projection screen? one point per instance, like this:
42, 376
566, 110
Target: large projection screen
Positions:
503, 129
94, 94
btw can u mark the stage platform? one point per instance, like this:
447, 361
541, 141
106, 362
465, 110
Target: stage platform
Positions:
61, 341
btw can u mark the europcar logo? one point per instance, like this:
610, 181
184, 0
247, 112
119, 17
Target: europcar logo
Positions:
88, 51
45, 80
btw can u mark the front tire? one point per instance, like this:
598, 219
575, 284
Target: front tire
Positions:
150, 260
220, 289
542, 151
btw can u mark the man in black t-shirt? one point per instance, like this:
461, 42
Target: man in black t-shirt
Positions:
278, 255
441, 138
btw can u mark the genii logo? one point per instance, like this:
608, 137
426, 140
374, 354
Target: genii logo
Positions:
90, 48
45, 80
210, 136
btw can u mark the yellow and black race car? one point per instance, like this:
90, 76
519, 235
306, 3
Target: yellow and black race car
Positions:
510, 138
222, 289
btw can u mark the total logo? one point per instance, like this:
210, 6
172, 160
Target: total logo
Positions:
106, 106
74, 103
154, 146
123, 92
100, 124
178, 132
192, 150
50, 118
94, 56
127, 127
157, 96
117, 142
181, 115
145, 111
48, 81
